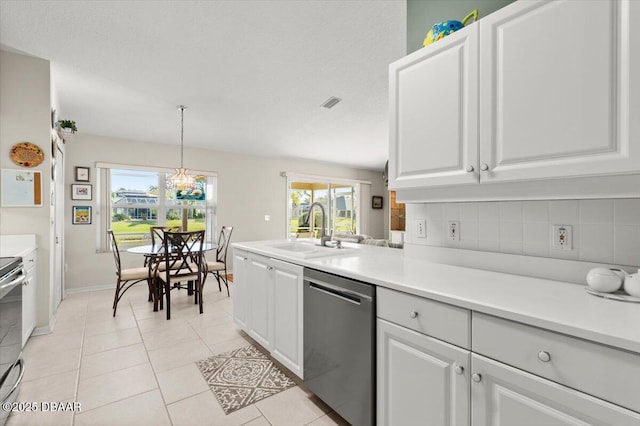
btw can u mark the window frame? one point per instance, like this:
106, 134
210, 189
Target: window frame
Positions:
361, 187
103, 199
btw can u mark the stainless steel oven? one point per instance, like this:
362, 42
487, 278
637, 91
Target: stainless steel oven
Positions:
12, 276
339, 344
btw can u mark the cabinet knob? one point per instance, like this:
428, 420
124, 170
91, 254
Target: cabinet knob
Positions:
31, 260
245, 258
476, 377
484, 167
459, 369
544, 356
470, 168
269, 268
413, 314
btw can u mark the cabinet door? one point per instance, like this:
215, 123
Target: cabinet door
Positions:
29, 305
555, 93
259, 300
505, 396
433, 95
417, 379
240, 291
287, 315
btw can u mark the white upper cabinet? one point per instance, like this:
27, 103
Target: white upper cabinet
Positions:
554, 90
537, 90
434, 113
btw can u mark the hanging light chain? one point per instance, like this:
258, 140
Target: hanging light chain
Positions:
182, 108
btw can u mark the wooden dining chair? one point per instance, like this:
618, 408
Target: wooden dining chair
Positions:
184, 266
126, 278
219, 266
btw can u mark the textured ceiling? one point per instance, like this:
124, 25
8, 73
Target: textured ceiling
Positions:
252, 73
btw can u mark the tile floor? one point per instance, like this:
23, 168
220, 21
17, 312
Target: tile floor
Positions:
138, 369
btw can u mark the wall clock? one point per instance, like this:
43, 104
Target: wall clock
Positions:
26, 154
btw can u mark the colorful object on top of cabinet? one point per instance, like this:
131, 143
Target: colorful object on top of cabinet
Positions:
442, 29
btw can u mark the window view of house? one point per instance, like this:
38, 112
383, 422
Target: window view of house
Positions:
339, 201
137, 204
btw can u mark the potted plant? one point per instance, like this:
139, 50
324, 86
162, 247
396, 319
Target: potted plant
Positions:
68, 127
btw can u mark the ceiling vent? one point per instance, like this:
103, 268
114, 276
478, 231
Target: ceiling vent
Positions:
330, 103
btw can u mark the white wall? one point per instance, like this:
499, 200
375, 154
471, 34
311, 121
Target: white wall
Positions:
25, 117
248, 188
604, 231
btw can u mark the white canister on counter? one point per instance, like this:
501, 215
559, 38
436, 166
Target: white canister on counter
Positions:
605, 280
632, 284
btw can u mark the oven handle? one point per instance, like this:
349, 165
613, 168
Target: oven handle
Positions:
16, 281
17, 383
337, 291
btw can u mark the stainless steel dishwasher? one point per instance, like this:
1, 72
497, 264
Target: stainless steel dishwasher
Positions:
339, 344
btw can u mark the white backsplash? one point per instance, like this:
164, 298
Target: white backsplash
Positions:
604, 231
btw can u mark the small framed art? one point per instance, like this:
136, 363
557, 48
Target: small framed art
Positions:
81, 215
81, 191
82, 174
376, 202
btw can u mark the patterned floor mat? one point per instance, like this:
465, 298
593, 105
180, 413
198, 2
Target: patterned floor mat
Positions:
242, 377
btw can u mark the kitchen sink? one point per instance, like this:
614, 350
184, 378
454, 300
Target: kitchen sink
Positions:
307, 250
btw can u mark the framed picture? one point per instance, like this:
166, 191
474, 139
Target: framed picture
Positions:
81, 191
21, 188
82, 174
81, 215
376, 202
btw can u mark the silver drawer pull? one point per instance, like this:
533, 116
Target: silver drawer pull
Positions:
459, 369
413, 314
544, 356
476, 377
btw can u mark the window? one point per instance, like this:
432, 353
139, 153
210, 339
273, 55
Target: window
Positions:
340, 199
138, 198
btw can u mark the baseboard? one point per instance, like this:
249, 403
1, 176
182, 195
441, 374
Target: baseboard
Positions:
86, 289
45, 329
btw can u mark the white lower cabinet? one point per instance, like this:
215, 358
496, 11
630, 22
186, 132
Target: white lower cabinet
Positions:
287, 329
268, 306
505, 396
512, 374
260, 309
29, 297
421, 380
240, 299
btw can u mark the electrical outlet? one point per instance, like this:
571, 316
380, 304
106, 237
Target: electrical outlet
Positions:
421, 228
454, 230
562, 237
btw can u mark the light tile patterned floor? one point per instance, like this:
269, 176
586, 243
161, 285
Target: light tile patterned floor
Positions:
138, 369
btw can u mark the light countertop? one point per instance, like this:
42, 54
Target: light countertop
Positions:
17, 245
554, 305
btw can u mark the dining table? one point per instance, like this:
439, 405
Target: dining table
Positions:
152, 250
155, 249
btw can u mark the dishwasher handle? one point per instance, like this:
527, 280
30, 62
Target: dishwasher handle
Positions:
337, 291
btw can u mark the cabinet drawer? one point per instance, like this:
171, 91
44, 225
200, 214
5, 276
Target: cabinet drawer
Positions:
436, 319
29, 260
602, 371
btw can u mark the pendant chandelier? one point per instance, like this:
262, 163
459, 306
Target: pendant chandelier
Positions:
181, 179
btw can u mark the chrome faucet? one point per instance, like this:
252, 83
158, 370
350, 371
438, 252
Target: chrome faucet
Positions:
323, 236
